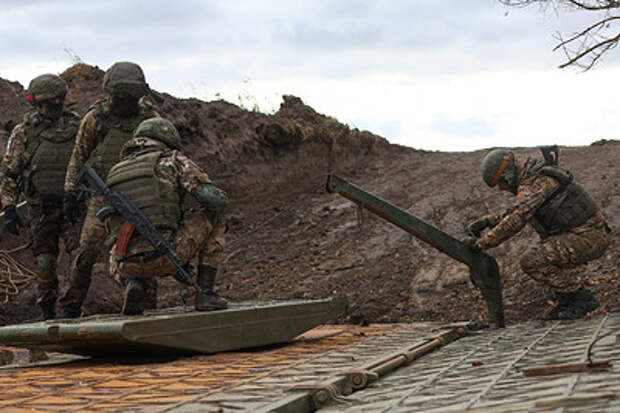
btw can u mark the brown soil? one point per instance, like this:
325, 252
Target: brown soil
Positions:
288, 238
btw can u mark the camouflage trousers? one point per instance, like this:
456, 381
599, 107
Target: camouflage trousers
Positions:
47, 227
555, 260
92, 238
196, 237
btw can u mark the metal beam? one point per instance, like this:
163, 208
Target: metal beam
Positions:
483, 268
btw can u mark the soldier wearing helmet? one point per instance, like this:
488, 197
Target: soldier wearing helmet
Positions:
103, 132
180, 200
35, 163
572, 229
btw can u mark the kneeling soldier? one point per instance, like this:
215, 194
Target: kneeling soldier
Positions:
163, 183
572, 229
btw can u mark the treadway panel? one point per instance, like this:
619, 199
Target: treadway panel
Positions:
177, 330
107, 385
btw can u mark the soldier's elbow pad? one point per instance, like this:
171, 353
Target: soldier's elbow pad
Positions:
213, 199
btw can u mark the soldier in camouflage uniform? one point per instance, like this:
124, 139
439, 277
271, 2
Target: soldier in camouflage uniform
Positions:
35, 162
572, 229
103, 132
180, 200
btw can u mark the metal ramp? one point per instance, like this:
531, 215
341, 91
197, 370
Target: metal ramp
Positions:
176, 330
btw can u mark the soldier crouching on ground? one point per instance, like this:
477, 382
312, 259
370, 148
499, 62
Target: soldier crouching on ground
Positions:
163, 183
572, 229
35, 161
103, 132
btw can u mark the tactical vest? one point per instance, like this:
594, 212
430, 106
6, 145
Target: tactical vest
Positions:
47, 154
157, 199
568, 207
115, 132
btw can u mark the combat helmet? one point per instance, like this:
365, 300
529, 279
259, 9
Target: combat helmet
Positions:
159, 129
499, 163
45, 87
125, 79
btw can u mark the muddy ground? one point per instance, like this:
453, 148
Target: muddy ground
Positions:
288, 238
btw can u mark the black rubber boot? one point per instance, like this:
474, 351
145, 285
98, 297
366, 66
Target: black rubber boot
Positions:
150, 293
71, 311
133, 303
48, 292
49, 309
563, 301
582, 302
207, 299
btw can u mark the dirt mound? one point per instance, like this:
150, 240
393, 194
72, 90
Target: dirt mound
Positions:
288, 238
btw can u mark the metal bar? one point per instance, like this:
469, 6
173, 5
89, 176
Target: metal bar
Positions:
551, 369
391, 213
309, 397
483, 268
440, 373
375, 370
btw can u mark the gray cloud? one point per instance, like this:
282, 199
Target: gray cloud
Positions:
329, 38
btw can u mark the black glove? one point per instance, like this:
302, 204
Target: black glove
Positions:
475, 228
12, 220
70, 206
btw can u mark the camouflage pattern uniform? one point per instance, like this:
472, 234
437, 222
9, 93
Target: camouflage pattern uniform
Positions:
200, 232
553, 260
31, 140
93, 129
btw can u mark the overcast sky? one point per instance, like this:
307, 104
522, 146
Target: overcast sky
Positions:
447, 75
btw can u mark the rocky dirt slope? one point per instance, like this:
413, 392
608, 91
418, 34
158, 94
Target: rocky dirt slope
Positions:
288, 238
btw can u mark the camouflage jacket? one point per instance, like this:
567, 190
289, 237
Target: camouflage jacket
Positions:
174, 167
532, 192
88, 137
13, 161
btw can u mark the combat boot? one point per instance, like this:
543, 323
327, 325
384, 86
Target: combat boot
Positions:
582, 302
71, 311
563, 301
49, 309
133, 302
206, 298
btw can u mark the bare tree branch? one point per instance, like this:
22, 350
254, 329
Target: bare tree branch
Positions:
585, 48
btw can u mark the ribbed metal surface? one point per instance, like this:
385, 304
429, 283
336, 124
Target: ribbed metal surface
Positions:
483, 373
95, 386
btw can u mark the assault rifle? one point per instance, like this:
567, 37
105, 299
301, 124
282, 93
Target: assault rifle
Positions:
120, 204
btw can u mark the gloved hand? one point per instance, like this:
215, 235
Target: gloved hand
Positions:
472, 242
11, 220
70, 206
475, 228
